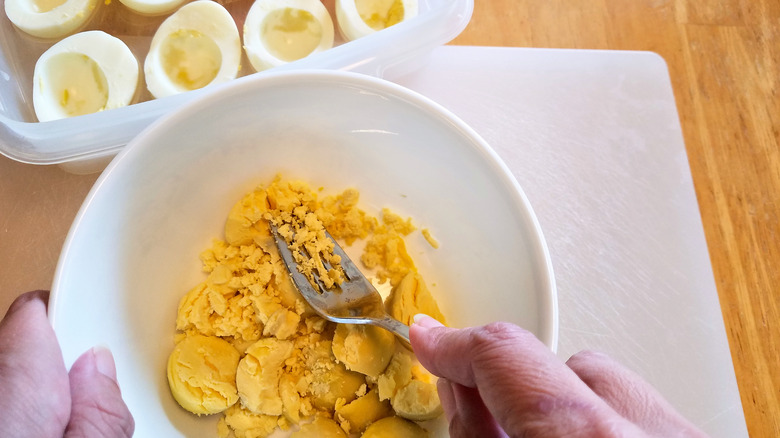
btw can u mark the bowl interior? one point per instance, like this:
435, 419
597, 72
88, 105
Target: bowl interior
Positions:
132, 252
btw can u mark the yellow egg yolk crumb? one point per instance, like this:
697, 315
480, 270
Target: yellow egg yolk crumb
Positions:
284, 365
430, 239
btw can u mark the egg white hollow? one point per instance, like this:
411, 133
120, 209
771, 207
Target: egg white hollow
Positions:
152, 7
197, 46
49, 18
358, 18
82, 74
280, 31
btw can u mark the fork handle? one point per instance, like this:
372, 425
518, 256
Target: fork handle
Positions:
399, 329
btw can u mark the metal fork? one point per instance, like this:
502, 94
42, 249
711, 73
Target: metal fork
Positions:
354, 301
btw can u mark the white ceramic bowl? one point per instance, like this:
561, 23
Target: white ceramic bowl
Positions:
132, 251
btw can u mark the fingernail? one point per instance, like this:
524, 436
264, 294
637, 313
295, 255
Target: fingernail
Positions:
425, 321
104, 362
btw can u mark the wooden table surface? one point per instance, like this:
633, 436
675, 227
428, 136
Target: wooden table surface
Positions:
724, 63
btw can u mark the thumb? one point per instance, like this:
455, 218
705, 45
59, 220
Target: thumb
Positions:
97, 406
528, 391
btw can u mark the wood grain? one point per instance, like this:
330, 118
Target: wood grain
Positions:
724, 62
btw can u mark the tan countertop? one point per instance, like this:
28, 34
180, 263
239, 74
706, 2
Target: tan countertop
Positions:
723, 60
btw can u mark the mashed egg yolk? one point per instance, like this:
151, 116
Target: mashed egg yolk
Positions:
284, 365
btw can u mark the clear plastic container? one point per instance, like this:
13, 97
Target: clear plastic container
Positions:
85, 144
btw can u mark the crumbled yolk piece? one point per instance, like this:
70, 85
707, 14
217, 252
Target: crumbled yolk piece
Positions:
290, 366
410, 297
358, 414
430, 239
202, 374
386, 249
366, 349
394, 427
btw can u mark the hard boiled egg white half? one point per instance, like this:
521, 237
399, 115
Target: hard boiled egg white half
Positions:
49, 18
358, 18
196, 46
152, 7
82, 74
280, 31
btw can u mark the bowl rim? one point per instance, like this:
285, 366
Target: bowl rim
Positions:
368, 83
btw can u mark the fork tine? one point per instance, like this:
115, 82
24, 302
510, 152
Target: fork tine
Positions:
300, 280
357, 301
352, 272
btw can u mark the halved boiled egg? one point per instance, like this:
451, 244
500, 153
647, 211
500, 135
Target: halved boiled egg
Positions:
196, 46
49, 18
358, 18
280, 31
82, 74
152, 7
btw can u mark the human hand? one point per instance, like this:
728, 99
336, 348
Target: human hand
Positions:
38, 397
500, 380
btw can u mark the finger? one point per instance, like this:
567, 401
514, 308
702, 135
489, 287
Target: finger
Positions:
630, 395
35, 396
447, 397
522, 383
471, 417
98, 408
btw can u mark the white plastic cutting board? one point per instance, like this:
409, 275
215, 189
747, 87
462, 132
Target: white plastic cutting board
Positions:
594, 139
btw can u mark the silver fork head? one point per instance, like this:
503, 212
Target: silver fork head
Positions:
354, 301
